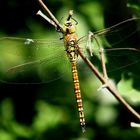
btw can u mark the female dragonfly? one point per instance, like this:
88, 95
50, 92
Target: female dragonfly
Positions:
22, 56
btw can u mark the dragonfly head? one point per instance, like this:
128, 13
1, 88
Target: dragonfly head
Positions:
69, 27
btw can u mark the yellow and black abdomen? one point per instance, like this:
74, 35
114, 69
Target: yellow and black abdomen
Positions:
78, 95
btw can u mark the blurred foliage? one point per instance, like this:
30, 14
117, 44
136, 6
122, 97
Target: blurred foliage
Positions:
48, 110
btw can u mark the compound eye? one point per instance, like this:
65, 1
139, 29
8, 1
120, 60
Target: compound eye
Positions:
68, 23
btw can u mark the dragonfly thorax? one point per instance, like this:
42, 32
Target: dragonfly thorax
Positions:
71, 50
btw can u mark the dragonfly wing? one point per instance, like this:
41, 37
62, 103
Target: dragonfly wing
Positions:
123, 34
121, 45
31, 61
120, 62
125, 60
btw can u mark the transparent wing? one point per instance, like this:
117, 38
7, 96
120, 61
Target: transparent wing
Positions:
27, 60
120, 34
121, 61
121, 43
31, 61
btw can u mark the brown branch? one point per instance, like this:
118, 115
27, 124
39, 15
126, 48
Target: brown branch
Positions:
105, 82
103, 79
49, 12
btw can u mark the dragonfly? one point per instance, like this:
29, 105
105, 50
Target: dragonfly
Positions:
23, 56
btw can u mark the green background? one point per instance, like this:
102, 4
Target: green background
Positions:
48, 111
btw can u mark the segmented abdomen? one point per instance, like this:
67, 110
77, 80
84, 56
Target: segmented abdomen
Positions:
78, 95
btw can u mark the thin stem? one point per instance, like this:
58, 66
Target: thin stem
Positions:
50, 14
46, 18
133, 124
101, 51
88, 44
118, 49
